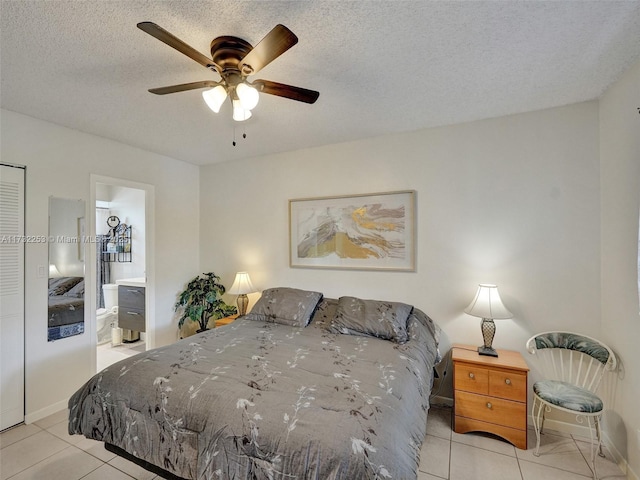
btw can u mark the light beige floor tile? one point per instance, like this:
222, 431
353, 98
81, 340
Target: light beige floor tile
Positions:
439, 422
17, 433
108, 355
61, 430
485, 441
556, 451
606, 467
51, 420
471, 462
69, 464
107, 472
95, 448
532, 433
434, 456
29, 451
535, 471
427, 476
131, 469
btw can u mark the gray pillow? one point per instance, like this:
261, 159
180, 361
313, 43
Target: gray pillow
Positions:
324, 313
375, 318
76, 291
289, 306
58, 286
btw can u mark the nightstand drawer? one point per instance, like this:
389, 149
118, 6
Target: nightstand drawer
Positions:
491, 410
509, 385
471, 378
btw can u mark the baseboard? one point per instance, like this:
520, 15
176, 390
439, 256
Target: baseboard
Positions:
582, 431
45, 412
620, 460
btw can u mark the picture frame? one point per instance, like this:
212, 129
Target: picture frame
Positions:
375, 231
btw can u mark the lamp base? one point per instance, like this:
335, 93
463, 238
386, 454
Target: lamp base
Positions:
243, 302
487, 351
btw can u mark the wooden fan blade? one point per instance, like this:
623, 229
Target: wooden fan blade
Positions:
287, 91
274, 44
183, 87
174, 42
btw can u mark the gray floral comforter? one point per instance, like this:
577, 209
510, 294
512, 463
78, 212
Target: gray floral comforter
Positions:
256, 400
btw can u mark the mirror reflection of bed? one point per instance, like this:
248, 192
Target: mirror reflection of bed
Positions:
66, 300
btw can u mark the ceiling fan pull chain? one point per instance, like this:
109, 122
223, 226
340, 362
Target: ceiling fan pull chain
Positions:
234, 136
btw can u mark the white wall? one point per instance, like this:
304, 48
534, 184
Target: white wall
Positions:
620, 184
59, 162
128, 204
64, 251
513, 200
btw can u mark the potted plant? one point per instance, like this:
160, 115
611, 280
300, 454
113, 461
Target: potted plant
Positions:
200, 301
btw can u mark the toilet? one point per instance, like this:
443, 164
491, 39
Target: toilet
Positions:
108, 316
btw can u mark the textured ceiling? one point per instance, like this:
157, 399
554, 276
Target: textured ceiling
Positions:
380, 67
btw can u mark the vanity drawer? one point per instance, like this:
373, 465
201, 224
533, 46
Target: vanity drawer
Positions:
131, 297
131, 318
491, 410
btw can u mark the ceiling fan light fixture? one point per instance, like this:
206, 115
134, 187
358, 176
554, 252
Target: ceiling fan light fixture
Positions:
240, 114
247, 95
215, 97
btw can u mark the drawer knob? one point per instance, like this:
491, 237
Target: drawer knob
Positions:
489, 405
471, 375
508, 381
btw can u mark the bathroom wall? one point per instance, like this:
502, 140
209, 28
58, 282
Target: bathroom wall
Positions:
128, 204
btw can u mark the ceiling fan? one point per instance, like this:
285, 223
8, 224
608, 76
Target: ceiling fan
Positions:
234, 59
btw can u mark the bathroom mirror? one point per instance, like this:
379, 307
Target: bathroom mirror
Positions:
66, 268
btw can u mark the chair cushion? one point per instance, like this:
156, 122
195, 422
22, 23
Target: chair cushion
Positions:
568, 396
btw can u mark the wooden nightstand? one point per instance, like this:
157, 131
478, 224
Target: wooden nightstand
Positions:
490, 393
226, 320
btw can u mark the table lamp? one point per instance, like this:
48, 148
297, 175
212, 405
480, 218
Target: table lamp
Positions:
488, 306
241, 286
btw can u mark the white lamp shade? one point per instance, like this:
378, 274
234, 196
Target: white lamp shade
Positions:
215, 97
248, 96
241, 285
487, 303
240, 114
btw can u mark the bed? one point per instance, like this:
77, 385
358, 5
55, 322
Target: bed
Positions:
65, 307
303, 387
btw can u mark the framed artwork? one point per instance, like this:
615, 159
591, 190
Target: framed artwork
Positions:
371, 232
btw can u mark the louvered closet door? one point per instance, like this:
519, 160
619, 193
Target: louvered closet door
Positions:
11, 296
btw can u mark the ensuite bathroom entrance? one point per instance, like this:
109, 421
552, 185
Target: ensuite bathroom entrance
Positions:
121, 325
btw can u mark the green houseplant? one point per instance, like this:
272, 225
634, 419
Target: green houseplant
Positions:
200, 301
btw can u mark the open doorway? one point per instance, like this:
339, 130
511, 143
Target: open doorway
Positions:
122, 281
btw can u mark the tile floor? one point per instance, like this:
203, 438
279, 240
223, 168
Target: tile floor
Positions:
108, 355
44, 450
449, 455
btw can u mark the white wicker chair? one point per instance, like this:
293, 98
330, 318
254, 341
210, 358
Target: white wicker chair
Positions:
573, 366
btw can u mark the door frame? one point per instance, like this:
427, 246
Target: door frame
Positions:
150, 267
23, 346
